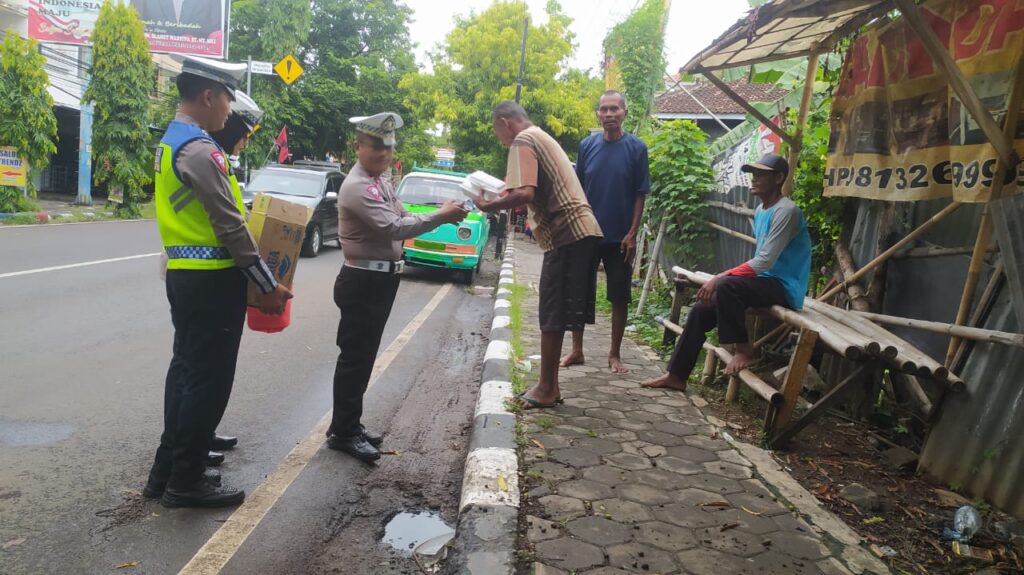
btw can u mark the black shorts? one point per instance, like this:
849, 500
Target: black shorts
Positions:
568, 286
618, 273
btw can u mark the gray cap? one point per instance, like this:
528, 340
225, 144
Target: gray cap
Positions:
381, 125
228, 74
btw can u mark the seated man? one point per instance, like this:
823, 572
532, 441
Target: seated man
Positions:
776, 275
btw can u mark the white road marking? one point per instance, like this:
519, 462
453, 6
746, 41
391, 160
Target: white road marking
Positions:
222, 546
78, 265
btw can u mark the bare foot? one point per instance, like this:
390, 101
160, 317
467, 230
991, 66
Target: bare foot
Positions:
667, 381
574, 358
615, 364
740, 361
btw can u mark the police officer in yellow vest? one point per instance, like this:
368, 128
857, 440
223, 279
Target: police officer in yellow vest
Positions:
211, 255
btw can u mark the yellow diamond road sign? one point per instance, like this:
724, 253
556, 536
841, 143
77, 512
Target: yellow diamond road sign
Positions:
288, 69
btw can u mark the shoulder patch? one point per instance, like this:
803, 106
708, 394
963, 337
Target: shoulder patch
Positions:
374, 192
159, 158
221, 161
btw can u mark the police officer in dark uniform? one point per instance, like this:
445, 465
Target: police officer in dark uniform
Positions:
372, 224
211, 256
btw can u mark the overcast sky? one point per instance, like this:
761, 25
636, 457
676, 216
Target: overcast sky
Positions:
692, 25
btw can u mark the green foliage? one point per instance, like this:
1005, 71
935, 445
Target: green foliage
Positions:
477, 67
636, 46
824, 215
26, 111
122, 79
681, 176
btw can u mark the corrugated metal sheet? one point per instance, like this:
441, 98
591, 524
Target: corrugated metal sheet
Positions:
978, 442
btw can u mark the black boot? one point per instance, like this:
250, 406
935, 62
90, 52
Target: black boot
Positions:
202, 494
154, 488
222, 442
355, 445
375, 439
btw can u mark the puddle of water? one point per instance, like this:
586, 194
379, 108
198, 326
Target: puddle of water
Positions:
409, 530
28, 433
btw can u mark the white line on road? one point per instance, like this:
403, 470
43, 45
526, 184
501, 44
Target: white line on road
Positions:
78, 265
221, 547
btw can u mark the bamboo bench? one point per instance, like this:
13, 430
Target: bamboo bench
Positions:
850, 335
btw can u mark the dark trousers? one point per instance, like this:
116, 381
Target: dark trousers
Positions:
364, 298
727, 311
208, 312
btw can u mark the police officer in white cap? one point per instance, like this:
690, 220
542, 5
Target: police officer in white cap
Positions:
211, 256
372, 224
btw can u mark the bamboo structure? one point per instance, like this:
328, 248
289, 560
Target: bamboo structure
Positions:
963, 332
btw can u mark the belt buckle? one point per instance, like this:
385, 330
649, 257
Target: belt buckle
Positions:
399, 266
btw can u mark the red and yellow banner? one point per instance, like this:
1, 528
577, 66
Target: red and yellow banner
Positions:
900, 133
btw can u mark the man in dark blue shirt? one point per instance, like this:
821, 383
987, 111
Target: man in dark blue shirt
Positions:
613, 168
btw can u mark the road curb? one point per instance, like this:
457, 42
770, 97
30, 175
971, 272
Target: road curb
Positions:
485, 538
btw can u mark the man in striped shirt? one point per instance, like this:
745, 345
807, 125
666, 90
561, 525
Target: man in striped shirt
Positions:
541, 177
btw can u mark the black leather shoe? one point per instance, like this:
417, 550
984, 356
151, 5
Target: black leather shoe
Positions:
202, 494
223, 442
356, 446
214, 458
155, 489
375, 439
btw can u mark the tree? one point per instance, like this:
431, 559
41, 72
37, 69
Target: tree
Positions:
635, 59
122, 79
477, 68
26, 112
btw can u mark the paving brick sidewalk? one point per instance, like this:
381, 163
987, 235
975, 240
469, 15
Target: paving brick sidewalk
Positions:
622, 479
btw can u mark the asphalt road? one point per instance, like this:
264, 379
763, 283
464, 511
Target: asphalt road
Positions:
83, 353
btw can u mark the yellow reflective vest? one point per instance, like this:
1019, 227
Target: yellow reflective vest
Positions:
185, 229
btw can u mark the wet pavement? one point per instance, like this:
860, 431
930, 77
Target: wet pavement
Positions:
622, 479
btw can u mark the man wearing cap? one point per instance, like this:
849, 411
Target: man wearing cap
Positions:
371, 225
210, 257
777, 275
541, 177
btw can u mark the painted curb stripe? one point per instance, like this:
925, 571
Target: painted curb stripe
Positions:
487, 471
493, 394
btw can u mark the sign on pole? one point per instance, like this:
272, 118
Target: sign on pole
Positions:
12, 168
288, 69
265, 68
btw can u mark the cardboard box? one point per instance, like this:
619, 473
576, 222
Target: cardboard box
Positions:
279, 227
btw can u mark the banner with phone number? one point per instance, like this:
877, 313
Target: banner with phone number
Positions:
899, 133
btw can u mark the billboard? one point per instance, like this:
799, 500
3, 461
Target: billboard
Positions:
899, 132
171, 26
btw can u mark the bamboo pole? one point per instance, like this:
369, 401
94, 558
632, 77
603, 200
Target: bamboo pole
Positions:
795, 375
877, 340
801, 119
963, 332
741, 210
985, 229
652, 265
755, 383
732, 233
985, 304
710, 367
858, 299
746, 106
889, 252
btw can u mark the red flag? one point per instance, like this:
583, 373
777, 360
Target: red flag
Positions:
282, 145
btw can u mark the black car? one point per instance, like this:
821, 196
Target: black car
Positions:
315, 186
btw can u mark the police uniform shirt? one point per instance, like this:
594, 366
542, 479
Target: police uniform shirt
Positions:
204, 168
372, 222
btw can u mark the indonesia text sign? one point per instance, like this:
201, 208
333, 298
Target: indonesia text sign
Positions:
12, 168
898, 130
173, 26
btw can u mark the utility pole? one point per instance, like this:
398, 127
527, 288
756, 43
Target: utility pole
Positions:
84, 197
505, 218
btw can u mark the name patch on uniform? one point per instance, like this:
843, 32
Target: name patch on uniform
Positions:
374, 192
222, 162
159, 157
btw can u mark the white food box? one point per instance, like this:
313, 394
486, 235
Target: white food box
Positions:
483, 183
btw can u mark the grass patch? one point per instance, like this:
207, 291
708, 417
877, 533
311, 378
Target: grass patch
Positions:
515, 318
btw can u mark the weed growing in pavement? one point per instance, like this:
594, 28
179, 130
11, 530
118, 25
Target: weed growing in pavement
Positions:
534, 474
515, 319
545, 422
520, 435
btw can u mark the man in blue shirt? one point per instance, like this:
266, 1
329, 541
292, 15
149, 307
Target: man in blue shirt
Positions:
777, 275
613, 168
